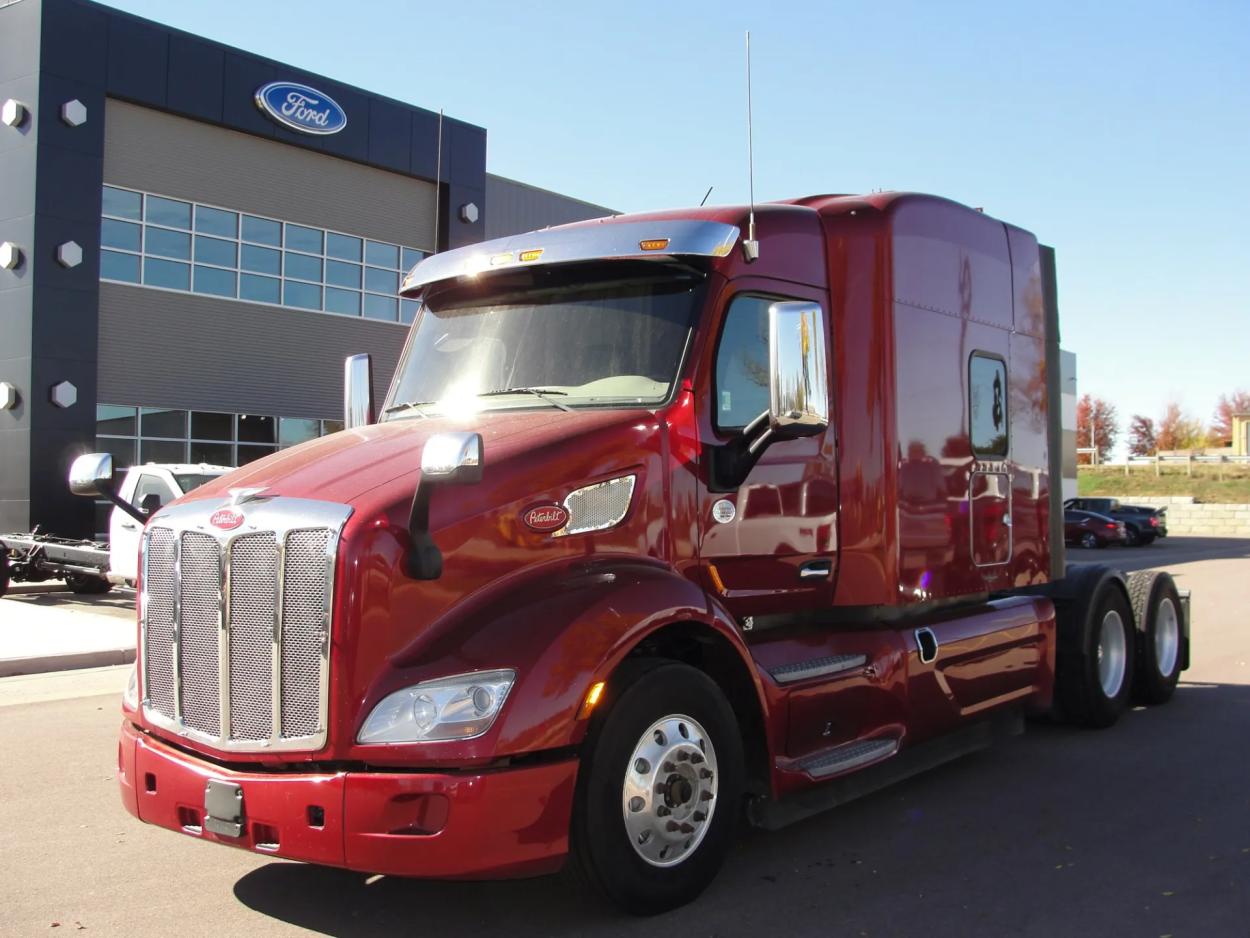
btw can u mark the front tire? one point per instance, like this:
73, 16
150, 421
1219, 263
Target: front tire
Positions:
84, 584
1089, 540
659, 790
1160, 653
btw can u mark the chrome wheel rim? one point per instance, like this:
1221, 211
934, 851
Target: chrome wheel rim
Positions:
669, 794
1088, 541
1112, 653
1167, 637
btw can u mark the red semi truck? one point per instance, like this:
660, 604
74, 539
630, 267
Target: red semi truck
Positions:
659, 526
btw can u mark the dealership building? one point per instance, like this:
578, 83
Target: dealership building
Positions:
192, 238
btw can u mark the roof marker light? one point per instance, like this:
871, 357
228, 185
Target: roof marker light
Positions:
653, 244
533, 255
504, 258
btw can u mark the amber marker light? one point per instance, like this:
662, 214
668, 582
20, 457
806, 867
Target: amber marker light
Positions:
531, 255
654, 244
717, 582
592, 698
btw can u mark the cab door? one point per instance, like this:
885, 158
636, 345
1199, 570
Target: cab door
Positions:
769, 544
124, 530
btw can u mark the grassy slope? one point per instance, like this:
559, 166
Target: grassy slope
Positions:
1204, 485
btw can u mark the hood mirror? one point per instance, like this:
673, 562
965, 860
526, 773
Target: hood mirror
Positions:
447, 459
358, 391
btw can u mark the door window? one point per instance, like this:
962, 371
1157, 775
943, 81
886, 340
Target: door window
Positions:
151, 485
741, 379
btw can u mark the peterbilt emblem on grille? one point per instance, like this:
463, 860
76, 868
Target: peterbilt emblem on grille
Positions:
226, 518
546, 517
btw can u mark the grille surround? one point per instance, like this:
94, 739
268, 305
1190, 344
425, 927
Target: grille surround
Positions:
227, 670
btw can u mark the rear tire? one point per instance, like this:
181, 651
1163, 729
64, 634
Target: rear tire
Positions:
1131, 538
1089, 540
656, 811
84, 584
1094, 674
4, 571
1160, 652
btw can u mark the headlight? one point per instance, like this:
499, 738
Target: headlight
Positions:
130, 696
459, 707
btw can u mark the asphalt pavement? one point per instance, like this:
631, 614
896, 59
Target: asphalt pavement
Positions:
1143, 829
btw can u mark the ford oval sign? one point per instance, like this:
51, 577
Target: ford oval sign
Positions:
301, 108
546, 518
226, 518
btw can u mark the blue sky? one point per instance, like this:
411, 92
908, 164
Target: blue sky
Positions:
1117, 132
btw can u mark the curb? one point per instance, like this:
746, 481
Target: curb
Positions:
42, 664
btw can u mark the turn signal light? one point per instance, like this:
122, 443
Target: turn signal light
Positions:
654, 244
592, 698
531, 255
504, 258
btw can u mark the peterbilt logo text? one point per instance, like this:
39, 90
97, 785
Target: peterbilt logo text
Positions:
226, 518
301, 108
546, 517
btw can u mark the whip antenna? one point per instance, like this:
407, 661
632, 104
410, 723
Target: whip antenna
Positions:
438, 177
750, 247
705, 195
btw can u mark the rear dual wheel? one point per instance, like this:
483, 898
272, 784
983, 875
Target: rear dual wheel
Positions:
659, 789
1160, 654
1094, 673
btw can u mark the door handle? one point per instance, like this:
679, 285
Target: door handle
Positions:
816, 570
129, 526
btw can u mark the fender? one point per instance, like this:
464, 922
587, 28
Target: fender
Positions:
562, 627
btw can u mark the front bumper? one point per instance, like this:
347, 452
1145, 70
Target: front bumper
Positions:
503, 823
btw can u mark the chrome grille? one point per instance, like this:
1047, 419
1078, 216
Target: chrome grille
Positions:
235, 624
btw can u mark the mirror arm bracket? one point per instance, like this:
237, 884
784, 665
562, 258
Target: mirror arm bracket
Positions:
732, 462
110, 493
424, 561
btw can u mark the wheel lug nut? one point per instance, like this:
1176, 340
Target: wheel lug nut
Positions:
705, 773
683, 756
668, 767
687, 828
706, 796
696, 759
699, 816
662, 811
672, 827
642, 766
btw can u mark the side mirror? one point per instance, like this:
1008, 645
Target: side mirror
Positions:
92, 474
798, 378
358, 391
150, 504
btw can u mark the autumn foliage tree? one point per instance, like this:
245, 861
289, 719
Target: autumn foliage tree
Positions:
1222, 423
1097, 424
1178, 430
1141, 436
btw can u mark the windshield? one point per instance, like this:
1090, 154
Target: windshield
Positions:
188, 481
594, 335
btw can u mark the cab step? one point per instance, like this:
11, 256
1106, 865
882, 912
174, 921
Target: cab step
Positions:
848, 756
817, 667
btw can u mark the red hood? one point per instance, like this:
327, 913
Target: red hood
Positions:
344, 466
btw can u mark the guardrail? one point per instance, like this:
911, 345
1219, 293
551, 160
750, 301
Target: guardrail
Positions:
1187, 460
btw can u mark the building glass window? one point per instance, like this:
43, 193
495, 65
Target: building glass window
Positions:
294, 430
208, 425
114, 420
122, 267
159, 422
167, 274
256, 429
122, 203
262, 230
241, 257
167, 212
162, 451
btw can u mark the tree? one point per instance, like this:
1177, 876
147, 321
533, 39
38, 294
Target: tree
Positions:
1097, 424
1141, 436
1222, 423
1178, 430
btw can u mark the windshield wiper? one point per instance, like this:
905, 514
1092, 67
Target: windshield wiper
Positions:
541, 393
409, 405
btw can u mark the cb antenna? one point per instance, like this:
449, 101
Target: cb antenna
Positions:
705, 195
438, 178
750, 247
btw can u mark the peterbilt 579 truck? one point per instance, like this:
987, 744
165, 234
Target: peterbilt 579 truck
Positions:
661, 525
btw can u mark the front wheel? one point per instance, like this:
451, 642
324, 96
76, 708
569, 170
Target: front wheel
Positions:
1089, 540
85, 584
659, 790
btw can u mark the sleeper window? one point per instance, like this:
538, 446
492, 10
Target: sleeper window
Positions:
987, 404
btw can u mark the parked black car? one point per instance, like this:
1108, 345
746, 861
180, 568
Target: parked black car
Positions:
1088, 529
1142, 524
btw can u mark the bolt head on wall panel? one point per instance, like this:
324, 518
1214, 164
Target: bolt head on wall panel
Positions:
8, 396
64, 394
13, 113
468, 213
69, 254
10, 255
74, 113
